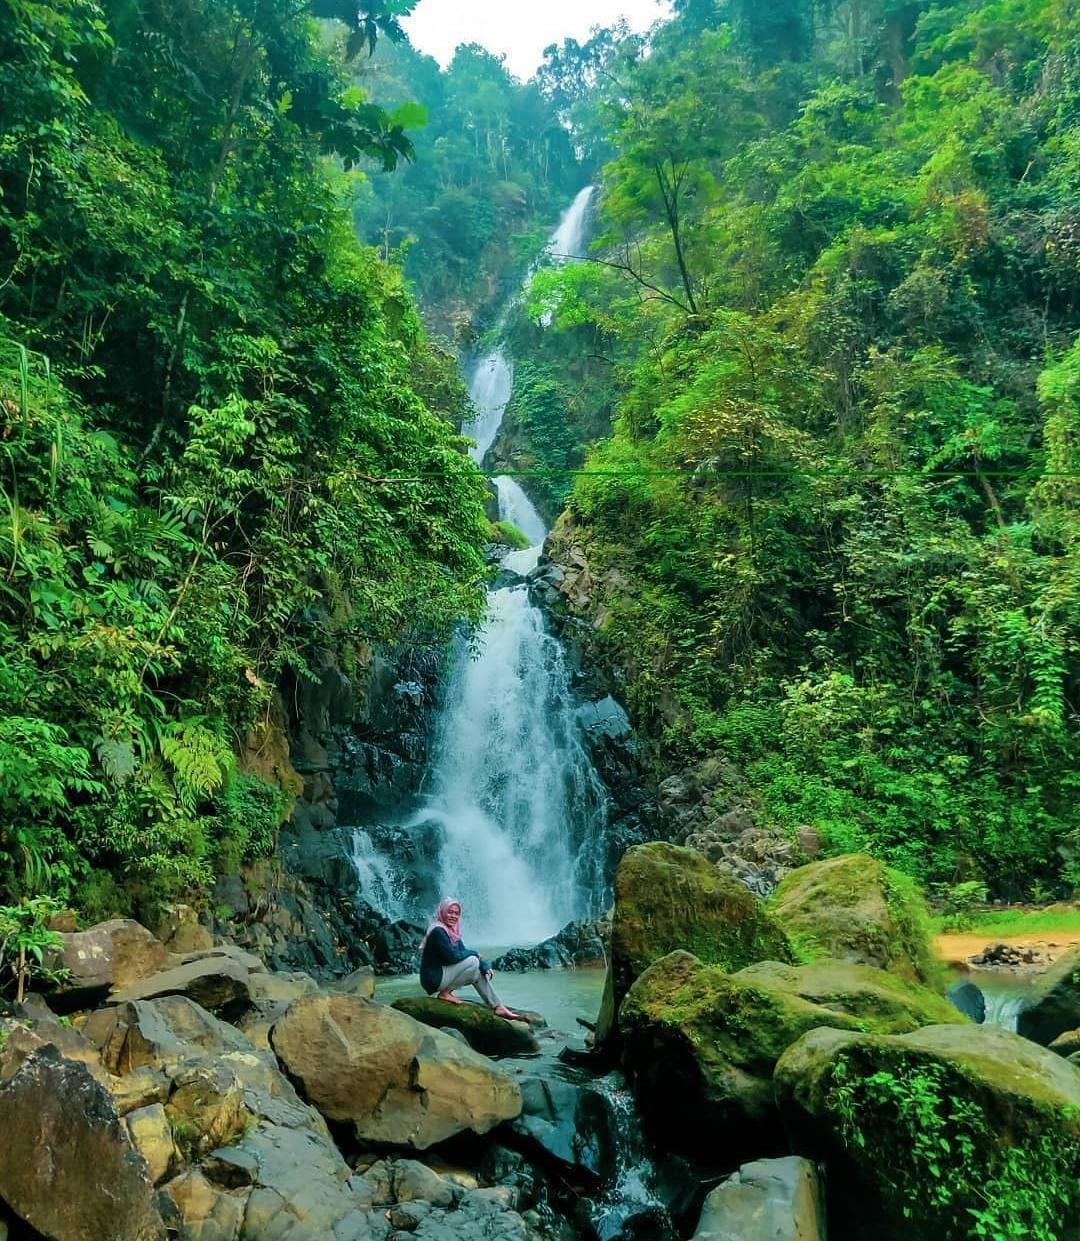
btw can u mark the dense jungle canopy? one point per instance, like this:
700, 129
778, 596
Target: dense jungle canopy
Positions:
812, 406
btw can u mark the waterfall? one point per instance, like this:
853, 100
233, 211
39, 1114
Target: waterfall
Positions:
489, 389
512, 786
376, 881
511, 793
492, 379
511, 783
568, 240
516, 508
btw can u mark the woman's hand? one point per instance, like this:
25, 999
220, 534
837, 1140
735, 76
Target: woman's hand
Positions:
489, 974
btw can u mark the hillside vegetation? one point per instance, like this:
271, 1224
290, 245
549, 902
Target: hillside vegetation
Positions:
207, 389
836, 292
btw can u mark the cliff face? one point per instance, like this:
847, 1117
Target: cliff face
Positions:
708, 804
350, 745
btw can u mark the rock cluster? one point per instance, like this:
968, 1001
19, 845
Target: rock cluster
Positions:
757, 857
853, 1061
669, 898
1011, 956
577, 944
193, 1102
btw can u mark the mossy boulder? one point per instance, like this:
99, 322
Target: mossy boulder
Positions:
1055, 1001
669, 898
483, 1030
883, 1002
950, 1132
855, 908
700, 1044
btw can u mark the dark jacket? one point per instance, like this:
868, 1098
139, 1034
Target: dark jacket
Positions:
438, 952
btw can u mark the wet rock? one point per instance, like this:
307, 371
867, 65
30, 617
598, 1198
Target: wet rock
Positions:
854, 908
483, 1030
999, 1101
966, 998
669, 898
769, 1200
397, 946
62, 1141
577, 944
1055, 1001
569, 1117
397, 1081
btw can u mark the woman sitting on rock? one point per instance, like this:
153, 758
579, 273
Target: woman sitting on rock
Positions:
446, 964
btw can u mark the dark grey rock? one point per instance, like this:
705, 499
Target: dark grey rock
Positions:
966, 996
62, 1141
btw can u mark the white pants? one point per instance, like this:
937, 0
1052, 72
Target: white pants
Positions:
468, 973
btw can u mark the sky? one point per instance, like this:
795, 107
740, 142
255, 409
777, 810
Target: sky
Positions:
520, 28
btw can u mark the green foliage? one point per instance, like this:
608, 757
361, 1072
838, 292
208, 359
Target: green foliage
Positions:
24, 940
941, 1164
209, 392
507, 535
836, 290
961, 903
493, 167
250, 811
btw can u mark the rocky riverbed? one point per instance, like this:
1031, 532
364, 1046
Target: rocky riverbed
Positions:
760, 1071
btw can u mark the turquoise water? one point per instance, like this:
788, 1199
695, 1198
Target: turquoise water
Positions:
561, 996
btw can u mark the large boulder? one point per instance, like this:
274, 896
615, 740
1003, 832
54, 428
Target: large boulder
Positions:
395, 1080
668, 898
571, 1117
483, 1030
769, 1200
109, 955
949, 1132
67, 1165
163, 1033
217, 983
701, 1044
854, 908
1055, 1001
291, 1184
884, 1002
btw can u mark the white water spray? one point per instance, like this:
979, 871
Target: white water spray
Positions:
489, 389
512, 785
376, 881
568, 240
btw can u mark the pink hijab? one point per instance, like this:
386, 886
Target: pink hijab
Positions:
440, 920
